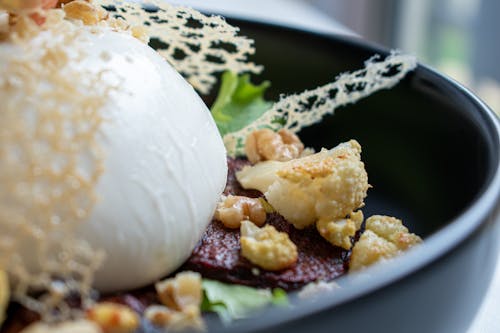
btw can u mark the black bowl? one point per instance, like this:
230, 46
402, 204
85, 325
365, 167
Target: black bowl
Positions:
431, 149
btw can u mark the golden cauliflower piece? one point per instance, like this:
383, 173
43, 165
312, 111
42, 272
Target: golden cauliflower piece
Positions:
393, 230
384, 237
267, 247
233, 209
339, 232
84, 11
182, 296
328, 185
181, 292
114, 318
265, 144
4, 295
171, 320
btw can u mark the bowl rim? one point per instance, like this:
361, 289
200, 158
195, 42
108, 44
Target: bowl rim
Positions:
436, 245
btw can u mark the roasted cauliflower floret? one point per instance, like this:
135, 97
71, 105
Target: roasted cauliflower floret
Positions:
84, 11
328, 185
265, 144
162, 316
267, 247
181, 297
384, 237
393, 230
114, 318
232, 210
339, 232
181, 292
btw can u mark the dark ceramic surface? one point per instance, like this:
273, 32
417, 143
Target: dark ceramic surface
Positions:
432, 153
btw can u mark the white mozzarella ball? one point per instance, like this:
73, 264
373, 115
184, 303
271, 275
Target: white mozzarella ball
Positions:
164, 163
165, 167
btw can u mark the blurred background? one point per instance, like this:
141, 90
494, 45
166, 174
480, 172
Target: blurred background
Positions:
457, 37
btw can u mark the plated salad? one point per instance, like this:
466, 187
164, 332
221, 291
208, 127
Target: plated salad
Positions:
128, 206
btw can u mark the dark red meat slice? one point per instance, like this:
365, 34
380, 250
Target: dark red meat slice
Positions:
217, 255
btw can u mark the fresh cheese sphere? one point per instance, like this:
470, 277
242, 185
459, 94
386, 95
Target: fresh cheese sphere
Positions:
165, 167
164, 163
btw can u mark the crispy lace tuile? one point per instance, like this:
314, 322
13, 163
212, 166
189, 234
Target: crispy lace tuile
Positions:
198, 46
50, 115
297, 111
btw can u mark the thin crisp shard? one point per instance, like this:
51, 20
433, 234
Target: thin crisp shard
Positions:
196, 45
348, 88
51, 118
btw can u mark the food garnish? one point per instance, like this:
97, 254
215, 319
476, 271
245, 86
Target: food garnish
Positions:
239, 102
181, 297
340, 231
266, 247
268, 145
385, 237
198, 46
233, 302
234, 209
84, 11
327, 185
296, 112
113, 317
45, 196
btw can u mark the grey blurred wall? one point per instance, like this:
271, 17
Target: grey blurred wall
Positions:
372, 19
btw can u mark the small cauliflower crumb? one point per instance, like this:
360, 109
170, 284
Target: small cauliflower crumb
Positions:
162, 316
317, 288
384, 237
77, 326
265, 144
158, 315
393, 230
181, 297
266, 247
339, 232
180, 292
84, 11
327, 185
232, 210
114, 318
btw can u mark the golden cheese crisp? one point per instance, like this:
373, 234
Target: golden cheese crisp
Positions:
50, 118
196, 45
298, 113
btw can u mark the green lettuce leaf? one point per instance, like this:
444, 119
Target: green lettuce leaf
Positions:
235, 302
239, 102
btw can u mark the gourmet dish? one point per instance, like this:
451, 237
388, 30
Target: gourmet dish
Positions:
128, 206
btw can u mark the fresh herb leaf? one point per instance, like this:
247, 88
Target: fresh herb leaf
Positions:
280, 297
239, 102
235, 302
